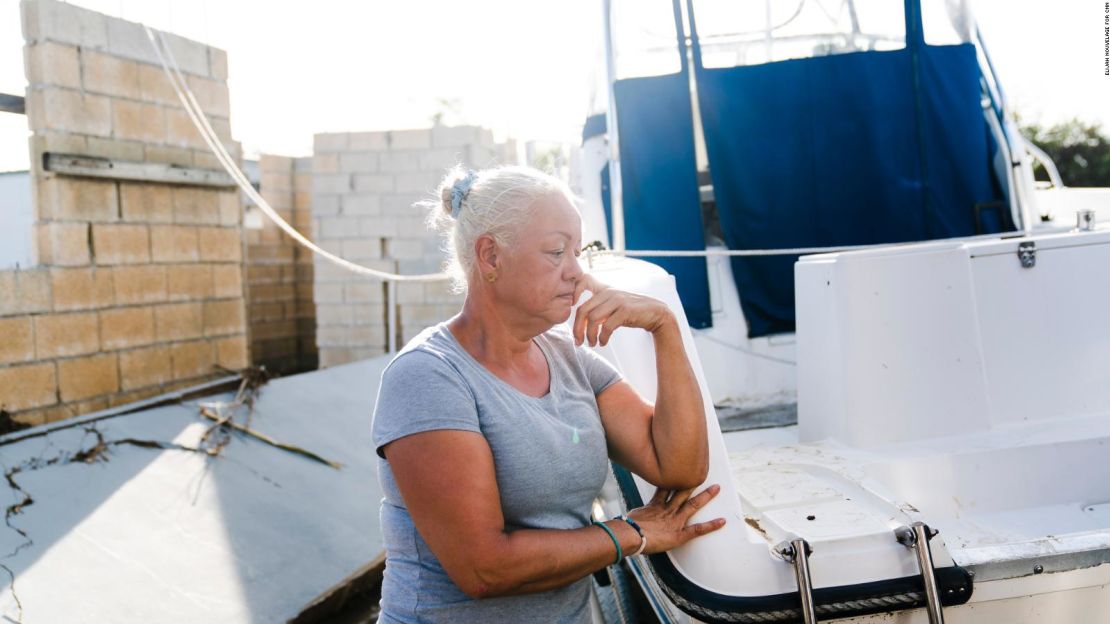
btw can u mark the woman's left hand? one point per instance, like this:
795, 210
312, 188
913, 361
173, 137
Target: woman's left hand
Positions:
610, 308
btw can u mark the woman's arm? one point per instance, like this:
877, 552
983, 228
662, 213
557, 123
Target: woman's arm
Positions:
448, 483
665, 443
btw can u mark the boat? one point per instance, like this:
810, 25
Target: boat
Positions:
895, 329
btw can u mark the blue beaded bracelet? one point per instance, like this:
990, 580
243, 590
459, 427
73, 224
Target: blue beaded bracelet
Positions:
613, 537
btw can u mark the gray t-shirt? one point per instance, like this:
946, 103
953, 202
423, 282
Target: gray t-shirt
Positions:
549, 455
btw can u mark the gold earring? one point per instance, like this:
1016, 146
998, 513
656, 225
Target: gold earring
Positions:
491, 277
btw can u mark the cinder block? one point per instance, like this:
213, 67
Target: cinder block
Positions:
440, 159
145, 367
212, 95
217, 63
69, 111
406, 249
405, 205
115, 148
110, 75
191, 56
227, 280
155, 86
377, 227
192, 359
17, 344
329, 142
188, 282
362, 249
410, 139
481, 157
178, 321
83, 378
339, 227
325, 205
230, 207
232, 353
455, 136
36, 385
331, 183
139, 284
364, 291
129, 40
358, 162
362, 205
412, 227
174, 243
372, 183
409, 293
147, 203
366, 336
369, 141
60, 21
60, 335
77, 199
9, 293
62, 244
328, 293
333, 314
335, 356
81, 288
225, 316
32, 287
416, 182
193, 205
167, 154
138, 121
180, 130
220, 244
52, 63
399, 162
325, 163
126, 327
120, 243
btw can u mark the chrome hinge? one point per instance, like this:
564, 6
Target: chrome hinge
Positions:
1027, 253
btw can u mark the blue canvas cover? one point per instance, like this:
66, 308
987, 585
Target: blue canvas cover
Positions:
857, 148
662, 204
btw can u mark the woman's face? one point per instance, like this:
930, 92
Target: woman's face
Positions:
540, 271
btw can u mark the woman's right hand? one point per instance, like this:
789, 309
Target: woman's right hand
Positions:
664, 519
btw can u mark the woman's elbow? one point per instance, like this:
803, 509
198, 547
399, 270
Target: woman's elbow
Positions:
483, 577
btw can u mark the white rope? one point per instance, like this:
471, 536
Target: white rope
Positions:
193, 109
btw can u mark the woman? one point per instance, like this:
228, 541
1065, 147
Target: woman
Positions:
495, 427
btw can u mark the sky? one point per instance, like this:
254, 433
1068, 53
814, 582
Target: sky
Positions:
524, 68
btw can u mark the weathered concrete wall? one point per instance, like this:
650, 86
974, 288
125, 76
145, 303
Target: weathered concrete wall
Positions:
279, 271
138, 287
364, 186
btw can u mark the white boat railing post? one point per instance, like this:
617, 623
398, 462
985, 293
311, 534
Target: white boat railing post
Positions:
616, 203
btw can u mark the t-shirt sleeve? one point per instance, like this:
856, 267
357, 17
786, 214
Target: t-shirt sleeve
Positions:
421, 392
600, 373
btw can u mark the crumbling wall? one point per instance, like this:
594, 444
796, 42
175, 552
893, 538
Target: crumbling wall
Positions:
279, 271
364, 185
138, 286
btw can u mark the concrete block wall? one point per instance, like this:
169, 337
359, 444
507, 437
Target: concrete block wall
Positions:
138, 286
364, 185
280, 272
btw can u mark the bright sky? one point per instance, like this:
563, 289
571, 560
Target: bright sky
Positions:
522, 67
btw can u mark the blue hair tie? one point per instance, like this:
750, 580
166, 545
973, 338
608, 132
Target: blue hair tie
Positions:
459, 190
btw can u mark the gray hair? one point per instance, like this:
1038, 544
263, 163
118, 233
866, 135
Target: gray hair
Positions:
500, 203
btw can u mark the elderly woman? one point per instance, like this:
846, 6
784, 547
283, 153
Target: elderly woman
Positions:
495, 427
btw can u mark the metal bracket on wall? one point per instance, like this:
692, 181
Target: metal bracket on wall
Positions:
99, 167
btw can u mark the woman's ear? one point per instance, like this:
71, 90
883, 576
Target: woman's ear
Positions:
487, 254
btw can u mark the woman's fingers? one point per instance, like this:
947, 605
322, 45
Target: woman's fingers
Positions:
701, 500
660, 497
701, 528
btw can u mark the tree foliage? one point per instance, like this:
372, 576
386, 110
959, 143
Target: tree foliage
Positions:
1080, 149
